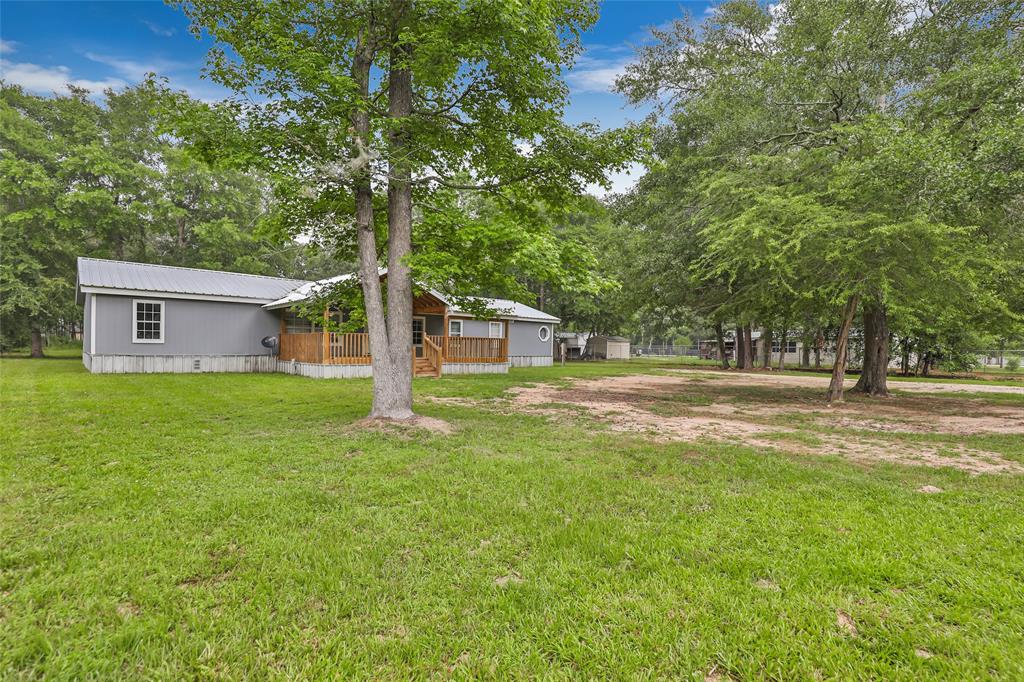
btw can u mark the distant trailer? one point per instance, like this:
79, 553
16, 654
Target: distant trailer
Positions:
610, 347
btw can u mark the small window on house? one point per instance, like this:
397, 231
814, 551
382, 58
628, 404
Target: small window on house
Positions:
147, 321
544, 333
495, 330
454, 327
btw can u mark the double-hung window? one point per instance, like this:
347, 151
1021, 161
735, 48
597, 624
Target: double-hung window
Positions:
496, 330
454, 327
147, 321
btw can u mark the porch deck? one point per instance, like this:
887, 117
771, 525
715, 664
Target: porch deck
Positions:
332, 348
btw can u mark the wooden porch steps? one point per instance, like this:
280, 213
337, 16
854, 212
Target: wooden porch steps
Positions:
422, 367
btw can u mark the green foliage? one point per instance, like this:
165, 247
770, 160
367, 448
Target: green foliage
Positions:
817, 151
81, 177
487, 110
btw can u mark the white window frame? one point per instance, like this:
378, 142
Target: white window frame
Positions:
541, 333
491, 326
451, 327
135, 320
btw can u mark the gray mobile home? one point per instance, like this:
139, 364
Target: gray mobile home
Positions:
155, 318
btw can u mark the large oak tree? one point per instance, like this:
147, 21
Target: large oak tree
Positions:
395, 107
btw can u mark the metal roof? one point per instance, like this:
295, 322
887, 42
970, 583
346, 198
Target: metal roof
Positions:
503, 307
308, 290
96, 273
507, 309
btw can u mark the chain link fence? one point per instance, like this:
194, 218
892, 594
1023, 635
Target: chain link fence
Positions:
667, 351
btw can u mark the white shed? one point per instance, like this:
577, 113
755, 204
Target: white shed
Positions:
610, 347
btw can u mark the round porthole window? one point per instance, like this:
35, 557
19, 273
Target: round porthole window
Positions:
544, 333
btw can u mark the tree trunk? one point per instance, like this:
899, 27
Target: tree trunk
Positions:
835, 387
782, 350
394, 399
392, 381
741, 358
819, 344
720, 339
766, 349
37, 342
926, 365
393, 389
748, 348
805, 353
872, 379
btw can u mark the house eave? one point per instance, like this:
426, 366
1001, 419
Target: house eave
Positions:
111, 291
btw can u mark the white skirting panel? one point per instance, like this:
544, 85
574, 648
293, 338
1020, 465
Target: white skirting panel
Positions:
530, 360
196, 364
178, 364
315, 371
474, 368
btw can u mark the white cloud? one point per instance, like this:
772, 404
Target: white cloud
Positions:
620, 181
47, 79
159, 30
7, 46
133, 70
595, 75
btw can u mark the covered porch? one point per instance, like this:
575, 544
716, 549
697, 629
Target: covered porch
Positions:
434, 343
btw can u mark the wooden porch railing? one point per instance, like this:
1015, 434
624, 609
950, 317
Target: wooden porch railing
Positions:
354, 348
433, 354
475, 349
329, 349
350, 349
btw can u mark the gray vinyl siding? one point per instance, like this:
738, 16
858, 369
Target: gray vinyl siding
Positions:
191, 327
474, 327
523, 338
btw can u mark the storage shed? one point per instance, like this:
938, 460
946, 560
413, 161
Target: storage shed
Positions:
610, 347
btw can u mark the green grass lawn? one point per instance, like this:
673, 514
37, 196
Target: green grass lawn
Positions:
243, 526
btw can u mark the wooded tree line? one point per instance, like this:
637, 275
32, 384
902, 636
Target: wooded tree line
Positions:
101, 176
828, 168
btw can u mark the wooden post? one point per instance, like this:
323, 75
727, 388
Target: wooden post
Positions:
444, 336
327, 338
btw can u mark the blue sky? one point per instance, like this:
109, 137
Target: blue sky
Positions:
111, 44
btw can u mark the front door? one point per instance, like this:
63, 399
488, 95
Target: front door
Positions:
419, 326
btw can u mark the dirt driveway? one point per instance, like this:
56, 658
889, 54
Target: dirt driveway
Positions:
923, 424
813, 381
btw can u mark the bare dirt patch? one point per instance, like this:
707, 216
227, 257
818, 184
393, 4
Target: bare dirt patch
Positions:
812, 381
432, 424
845, 623
778, 412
